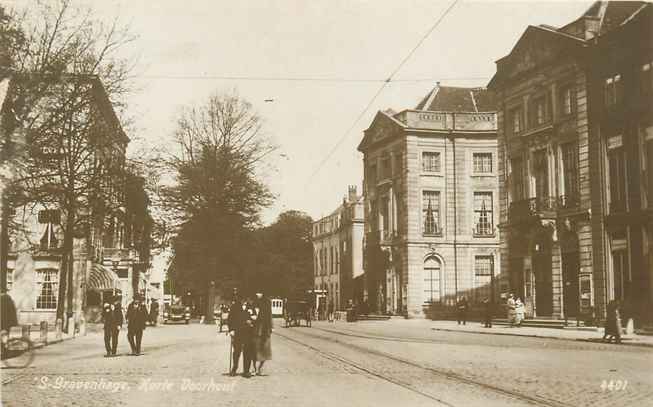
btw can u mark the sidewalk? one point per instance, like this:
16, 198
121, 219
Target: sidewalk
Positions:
37, 341
570, 334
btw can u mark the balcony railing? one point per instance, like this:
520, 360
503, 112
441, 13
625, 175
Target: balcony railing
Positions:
568, 201
532, 207
542, 207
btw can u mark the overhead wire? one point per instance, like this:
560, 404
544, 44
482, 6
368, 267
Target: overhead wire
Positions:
378, 92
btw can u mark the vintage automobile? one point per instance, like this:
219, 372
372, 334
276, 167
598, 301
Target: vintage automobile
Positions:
175, 313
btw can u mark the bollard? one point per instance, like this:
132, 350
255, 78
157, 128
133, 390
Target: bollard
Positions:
58, 329
43, 332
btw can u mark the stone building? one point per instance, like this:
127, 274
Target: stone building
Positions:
620, 105
110, 241
337, 252
556, 146
431, 202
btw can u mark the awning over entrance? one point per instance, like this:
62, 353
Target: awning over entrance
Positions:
102, 278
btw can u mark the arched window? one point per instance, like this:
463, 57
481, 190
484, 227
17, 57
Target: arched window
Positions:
432, 268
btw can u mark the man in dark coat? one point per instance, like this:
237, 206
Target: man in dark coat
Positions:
136, 319
112, 316
154, 312
9, 314
241, 329
462, 310
487, 313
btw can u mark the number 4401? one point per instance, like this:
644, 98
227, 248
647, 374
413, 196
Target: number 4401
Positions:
614, 385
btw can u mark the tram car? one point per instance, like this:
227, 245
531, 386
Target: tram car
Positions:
277, 307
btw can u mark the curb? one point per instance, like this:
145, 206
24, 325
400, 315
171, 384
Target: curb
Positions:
643, 345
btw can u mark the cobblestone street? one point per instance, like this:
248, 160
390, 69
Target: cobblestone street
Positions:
358, 364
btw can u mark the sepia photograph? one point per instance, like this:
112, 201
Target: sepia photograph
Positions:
351, 203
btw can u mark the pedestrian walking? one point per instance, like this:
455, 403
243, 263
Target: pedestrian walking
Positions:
511, 306
263, 332
154, 312
462, 306
113, 319
330, 311
613, 326
519, 312
487, 313
136, 319
241, 329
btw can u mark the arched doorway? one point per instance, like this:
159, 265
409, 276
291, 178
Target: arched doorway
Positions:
432, 280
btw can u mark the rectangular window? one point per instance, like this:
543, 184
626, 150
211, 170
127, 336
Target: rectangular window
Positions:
483, 271
386, 169
372, 174
570, 197
613, 91
515, 117
47, 282
431, 212
618, 181
385, 218
566, 100
482, 163
541, 172
10, 279
517, 174
621, 286
538, 111
483, 214
430, 161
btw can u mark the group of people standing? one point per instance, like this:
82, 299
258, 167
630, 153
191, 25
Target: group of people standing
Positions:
516, 310
250, 329
137, 318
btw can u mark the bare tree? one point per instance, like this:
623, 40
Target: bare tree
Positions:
68, 91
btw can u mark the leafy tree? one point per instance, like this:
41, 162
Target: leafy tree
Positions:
282, 263
216, 196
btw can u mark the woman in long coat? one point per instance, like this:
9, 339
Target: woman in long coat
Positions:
263, 332
613, 322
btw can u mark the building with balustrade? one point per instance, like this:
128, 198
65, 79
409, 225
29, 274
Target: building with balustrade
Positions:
573, 131
338, 254
431, 204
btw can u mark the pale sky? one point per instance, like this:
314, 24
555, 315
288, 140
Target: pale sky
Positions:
182, 44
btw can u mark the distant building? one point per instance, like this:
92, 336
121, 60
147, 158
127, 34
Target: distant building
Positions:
431, 200
337, 252
575, 154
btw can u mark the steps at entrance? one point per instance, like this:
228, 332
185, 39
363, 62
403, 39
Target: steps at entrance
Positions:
372, 317
535, 323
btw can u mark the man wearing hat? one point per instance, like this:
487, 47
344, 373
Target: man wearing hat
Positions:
112, 316
136, 319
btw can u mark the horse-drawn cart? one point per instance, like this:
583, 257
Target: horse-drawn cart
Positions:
296, 312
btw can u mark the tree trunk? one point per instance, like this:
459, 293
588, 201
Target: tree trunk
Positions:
66, 270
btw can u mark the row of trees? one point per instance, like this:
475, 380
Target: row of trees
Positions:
62, 122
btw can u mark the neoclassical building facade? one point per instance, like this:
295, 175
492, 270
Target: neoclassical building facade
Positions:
431, 203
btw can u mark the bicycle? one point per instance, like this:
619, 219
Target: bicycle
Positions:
16, 353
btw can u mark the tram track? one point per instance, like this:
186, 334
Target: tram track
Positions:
448, 375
